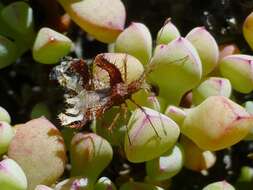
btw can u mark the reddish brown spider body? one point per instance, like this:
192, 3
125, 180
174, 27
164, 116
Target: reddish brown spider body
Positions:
88, 96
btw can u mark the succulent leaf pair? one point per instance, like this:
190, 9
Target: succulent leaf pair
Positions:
16, 32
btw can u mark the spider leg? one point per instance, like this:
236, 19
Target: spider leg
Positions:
157, 107
124, 108
183, 59
113, 124
125, 68
149, 120
92, 142
110, 68
160, 116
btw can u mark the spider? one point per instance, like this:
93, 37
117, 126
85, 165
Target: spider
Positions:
90, 95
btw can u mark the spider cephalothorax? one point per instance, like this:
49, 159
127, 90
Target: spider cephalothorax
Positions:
94, 88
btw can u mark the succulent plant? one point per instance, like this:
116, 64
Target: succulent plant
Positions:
206, 46
40, 167
158, 134
6, 135
145, 98
237, 68
247, 29
164, 184
8, 52
4, 115
12, 176
196, 159
40, 109
89, 154
75, 183
167, 33
107, 22
176, 114
14, 31
42, 187
140, 45
226, 125
249, 108
228, 49
175, 69
21, 26
104, 183
245, 180
167, 165
221, 185
50, 46
213, 86
139, 186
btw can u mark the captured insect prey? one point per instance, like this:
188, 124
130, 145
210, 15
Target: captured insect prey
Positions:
93, 88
